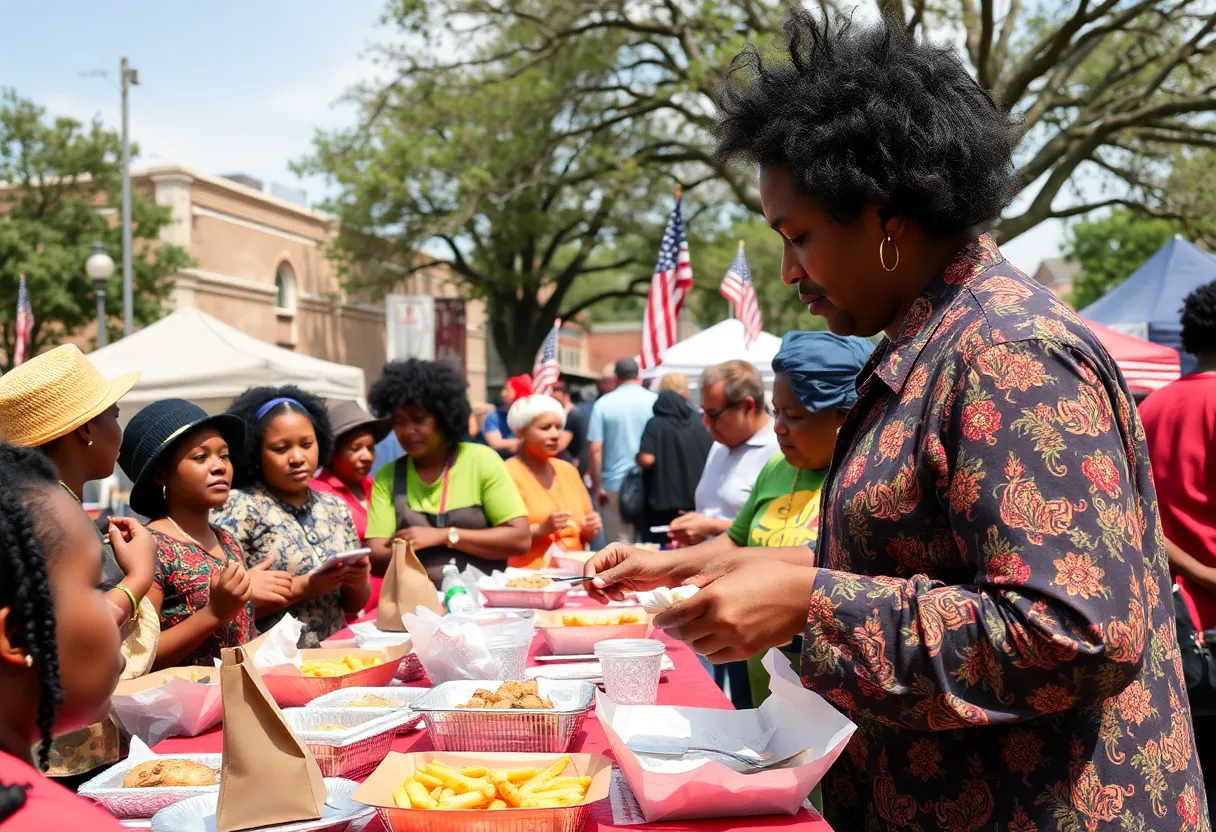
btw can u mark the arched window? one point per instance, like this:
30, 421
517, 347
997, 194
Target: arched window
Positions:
285, 288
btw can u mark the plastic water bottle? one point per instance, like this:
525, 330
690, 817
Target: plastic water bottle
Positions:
456, 598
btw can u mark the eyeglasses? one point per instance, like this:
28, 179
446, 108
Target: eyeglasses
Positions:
714, 415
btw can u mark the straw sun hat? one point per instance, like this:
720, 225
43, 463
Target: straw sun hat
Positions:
53, 394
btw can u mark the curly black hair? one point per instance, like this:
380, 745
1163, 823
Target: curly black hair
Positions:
1199, 320
435, 386
27, 533
247, 465
863, 114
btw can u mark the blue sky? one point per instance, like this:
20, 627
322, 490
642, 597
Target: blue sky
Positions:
228, 86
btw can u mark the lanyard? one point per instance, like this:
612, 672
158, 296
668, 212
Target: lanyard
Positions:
442, 517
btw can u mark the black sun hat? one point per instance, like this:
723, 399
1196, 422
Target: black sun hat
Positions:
153, 431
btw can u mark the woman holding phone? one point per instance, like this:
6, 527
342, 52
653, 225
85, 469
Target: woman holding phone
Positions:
275, 516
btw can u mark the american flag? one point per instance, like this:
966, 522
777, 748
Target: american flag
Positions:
25, 324
671, 283
546, 370
738, 289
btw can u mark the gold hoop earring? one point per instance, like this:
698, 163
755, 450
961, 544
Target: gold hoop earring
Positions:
882, 255
164, 492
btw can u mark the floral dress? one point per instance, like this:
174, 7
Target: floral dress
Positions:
183, 574
993, 604
296, 540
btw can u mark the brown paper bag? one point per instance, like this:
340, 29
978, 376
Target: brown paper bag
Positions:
406, 586
268, 776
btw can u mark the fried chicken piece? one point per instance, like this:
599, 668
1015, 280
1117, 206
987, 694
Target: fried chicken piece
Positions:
503, 704
482, 693
530, 688
533, 703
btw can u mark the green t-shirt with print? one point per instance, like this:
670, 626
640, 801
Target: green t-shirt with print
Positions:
478, 478
783, 509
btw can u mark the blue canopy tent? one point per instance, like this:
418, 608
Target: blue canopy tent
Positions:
1148, 304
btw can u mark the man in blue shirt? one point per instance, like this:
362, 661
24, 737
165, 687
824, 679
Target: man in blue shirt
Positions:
615, 434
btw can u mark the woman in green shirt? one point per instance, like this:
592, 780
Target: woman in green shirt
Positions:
453, 499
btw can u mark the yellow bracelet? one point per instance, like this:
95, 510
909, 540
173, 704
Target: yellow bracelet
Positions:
134, 603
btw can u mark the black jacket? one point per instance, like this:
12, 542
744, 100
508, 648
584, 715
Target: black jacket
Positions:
680, 444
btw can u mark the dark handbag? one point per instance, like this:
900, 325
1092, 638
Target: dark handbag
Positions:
1198, 663
633, 497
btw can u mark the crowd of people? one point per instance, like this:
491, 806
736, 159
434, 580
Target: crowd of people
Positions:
955, 536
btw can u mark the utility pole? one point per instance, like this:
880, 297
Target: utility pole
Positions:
128, 77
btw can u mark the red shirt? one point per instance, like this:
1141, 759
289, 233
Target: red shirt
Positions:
328, 481
49, 807
1180, 421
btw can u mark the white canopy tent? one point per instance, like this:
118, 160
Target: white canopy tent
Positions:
191, 355
721, 342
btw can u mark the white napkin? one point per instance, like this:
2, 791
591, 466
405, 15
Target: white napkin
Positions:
661, 599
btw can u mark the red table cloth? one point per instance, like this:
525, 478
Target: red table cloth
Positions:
688, 684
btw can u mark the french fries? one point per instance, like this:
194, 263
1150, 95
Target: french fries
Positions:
328, 668
441, 787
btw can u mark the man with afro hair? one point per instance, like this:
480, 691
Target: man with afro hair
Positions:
1180, 422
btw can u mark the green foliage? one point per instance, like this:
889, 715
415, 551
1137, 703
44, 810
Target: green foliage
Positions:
1110, 248
57, 175
532, 143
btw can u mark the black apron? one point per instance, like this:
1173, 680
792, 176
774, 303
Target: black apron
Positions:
434, 559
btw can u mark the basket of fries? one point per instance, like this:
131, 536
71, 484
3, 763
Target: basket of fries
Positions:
536, 716
445, 792
577, 633
325, 670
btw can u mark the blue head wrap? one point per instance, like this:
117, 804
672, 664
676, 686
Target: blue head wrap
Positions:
822, 368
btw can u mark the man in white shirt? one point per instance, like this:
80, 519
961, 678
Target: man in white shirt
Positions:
733, 408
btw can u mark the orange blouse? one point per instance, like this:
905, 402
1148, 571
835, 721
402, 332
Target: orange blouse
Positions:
567, 494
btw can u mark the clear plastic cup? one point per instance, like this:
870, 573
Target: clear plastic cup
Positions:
631, 669
511, 654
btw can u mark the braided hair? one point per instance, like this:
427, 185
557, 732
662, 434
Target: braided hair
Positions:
25, 475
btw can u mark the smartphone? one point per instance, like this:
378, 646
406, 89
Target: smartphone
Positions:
340, 559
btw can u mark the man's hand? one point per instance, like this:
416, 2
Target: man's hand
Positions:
619, 569
423, 537
746, 606
601, 497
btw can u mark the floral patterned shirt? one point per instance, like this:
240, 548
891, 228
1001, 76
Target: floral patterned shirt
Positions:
993, 608
297, 540
183, 574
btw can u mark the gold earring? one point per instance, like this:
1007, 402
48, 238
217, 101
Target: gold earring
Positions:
29, 660
882, 256
164, 492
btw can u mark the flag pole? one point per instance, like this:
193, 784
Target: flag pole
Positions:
740, 245
679, 191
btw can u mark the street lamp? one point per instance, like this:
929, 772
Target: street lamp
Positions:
100, 268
